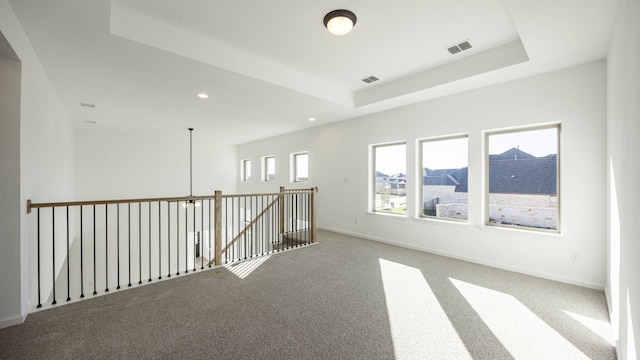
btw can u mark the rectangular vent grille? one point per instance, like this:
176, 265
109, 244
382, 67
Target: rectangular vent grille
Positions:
370, 79
465, 45
87, 105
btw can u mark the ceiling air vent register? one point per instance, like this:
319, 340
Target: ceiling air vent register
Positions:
370, 79
465, 45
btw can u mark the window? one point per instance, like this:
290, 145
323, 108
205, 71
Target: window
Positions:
389, 178
300, 167
445, 177
522, 177
268, 168
245, 173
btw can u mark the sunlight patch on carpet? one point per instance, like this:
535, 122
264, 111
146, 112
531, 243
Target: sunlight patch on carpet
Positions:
420, 328
245, 268
598, 327
520, 331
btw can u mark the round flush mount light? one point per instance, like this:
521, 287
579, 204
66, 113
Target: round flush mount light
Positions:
312, 119
340, 22
203, 96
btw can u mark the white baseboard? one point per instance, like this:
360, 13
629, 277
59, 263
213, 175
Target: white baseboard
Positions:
542, 275
12, 321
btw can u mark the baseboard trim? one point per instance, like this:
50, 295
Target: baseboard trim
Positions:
542, 275
12, 321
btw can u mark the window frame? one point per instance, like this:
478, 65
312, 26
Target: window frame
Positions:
372, 174
420, 177
265, 168
243, 170
294, 167
486, 193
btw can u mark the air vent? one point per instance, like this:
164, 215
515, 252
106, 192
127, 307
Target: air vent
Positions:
465, 45
87, 105
370, 79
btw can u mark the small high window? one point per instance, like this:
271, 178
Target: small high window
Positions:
268, 168
523, 178
445, 178
300, 167
245, 170
389, 178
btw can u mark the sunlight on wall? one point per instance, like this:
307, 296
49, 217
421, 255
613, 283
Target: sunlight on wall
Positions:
420, 329
522, 333
245, 268
614, 253
598, 327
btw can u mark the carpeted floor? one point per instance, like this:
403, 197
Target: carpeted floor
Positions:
344, 298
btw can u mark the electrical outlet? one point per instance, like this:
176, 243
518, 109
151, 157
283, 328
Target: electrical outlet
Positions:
574, 256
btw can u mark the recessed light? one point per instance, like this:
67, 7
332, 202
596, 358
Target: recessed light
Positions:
312, 119
203, 96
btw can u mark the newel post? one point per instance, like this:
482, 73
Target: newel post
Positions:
281, 206
218, 227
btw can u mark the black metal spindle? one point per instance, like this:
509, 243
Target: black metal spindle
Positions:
118, 242
129, 240
159, 241
95, 291
177, 238
149, 205
53, 273
201, 237
194, 236
81, 257
38, 226
139, 243
186, 238
68, 260
106, 247
168, 239
209, 232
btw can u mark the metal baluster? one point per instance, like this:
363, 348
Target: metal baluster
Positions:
194, 236
168, 239
149, 205
201, 238
81, 257
139, 243
177, 238
209, 232
68, 260
106, 247
186, 239
118, 242
53, 273
159, 241
129, 246
95, 292
39, 303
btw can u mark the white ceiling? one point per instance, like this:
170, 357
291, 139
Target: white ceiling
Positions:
270, 65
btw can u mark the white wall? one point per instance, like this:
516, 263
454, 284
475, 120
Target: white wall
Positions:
114, 164
338, 165
46, 161
623, 132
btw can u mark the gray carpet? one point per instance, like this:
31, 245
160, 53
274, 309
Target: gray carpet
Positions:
344, 298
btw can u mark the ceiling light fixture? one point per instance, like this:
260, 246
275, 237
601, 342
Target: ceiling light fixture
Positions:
340, 22
203, 96
312, 119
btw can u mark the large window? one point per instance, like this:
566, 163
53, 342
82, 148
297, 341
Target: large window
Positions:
300, 167
245, 174
389, 178
522, 177
445, 177
268, 168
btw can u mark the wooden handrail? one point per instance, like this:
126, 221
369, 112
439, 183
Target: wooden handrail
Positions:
255, 220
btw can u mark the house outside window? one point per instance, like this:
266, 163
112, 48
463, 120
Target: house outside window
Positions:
389, 178
444, 169
268, 168
245, 174
522, 178
300, 167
